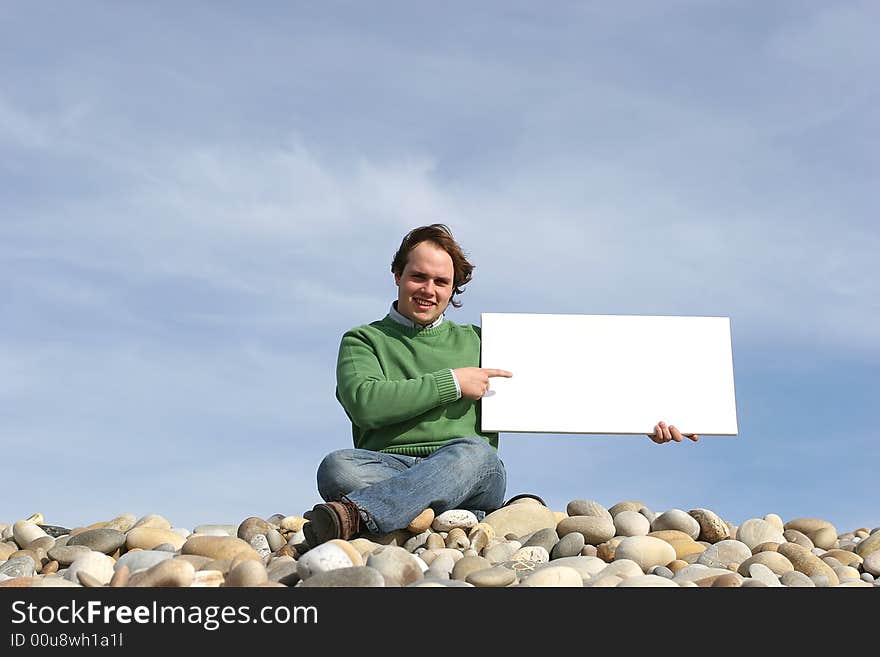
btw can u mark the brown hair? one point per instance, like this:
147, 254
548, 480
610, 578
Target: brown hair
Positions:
440, 235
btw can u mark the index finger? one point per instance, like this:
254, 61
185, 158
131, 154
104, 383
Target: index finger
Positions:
504, 373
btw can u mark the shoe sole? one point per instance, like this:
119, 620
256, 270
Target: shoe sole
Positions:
322, 527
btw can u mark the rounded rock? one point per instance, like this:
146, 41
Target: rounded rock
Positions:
251, 527
496, 576
176, 573
554, 576
24, 531
247, 573
595, 530
754, 532
354, 576
147, 537
105, 541
453, 518
141, 560
631, 523
722, 553
67, 554
777, 563
712, 528
96, 564
679, 520
588, 508
808, 563
520, 519
646, 551
218, 547
468, 565
398, 567
569, 545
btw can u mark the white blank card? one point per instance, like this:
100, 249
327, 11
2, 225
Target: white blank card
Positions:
609, 374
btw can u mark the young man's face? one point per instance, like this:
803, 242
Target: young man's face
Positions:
425, 286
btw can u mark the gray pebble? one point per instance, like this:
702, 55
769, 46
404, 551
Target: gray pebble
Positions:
359, 576
569, 545
21, 566
545, 538
662, 571
105, 541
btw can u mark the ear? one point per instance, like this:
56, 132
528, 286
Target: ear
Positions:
397, 279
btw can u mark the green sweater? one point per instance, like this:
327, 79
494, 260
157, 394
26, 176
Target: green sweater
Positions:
396, 386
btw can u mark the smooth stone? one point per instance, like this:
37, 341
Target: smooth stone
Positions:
807, 525
147, 537
24, 532
677, 565
855, 583
247, 573
844, 557
846, 572
216, 530
141, 560
6, 549
569, 545
594, 530
867, 577
165, 574
417, 541
546, 538
624, 569
825, 538
868, 546
520, 519
421, 522
796, 578
354, 576
285, 572
751, 583
762, 573
429, 555
605, 581
453, 518
807, 562
776, 521
152, 520
589, 551
322, 558
88, 581
120, 577
630, 505
106, 541
696, 572
777, 563
502, 551
293, 523
165, 547
631, 523
456, 538
678, 520
44, 542
23, 566
275, 539
479, 539
442, 583
553, 576
755, 531
441, 566
662, 571
712, 528
251, 527
96, 564
769, 546
534, 553
586, 566
588, 508
722, 553
821, 581
208, 579
644, 581
218, 547
52, 567
122, 523
66, 554
467, 565
398, 567
798, 537
434, 542
871, 564
646, 551
260, 544
496, 576
727, 580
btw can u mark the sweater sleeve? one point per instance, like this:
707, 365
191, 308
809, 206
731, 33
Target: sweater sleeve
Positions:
373, 401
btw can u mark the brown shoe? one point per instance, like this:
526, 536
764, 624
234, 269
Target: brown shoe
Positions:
332, 520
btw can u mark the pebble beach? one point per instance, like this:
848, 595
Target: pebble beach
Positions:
523, 544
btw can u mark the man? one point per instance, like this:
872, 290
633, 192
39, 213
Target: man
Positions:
410, 384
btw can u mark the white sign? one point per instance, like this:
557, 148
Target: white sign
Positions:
608, 374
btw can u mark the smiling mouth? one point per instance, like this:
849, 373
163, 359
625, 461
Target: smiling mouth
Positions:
422, 303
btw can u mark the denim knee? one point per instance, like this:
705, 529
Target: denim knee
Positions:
476, 453
335, 475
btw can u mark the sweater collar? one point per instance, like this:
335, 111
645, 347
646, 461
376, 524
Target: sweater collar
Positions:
406, 321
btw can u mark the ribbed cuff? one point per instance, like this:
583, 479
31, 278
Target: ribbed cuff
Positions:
446, 386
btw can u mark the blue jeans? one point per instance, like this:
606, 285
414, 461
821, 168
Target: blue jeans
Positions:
393, 489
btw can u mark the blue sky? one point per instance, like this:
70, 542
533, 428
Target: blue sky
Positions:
197, 201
